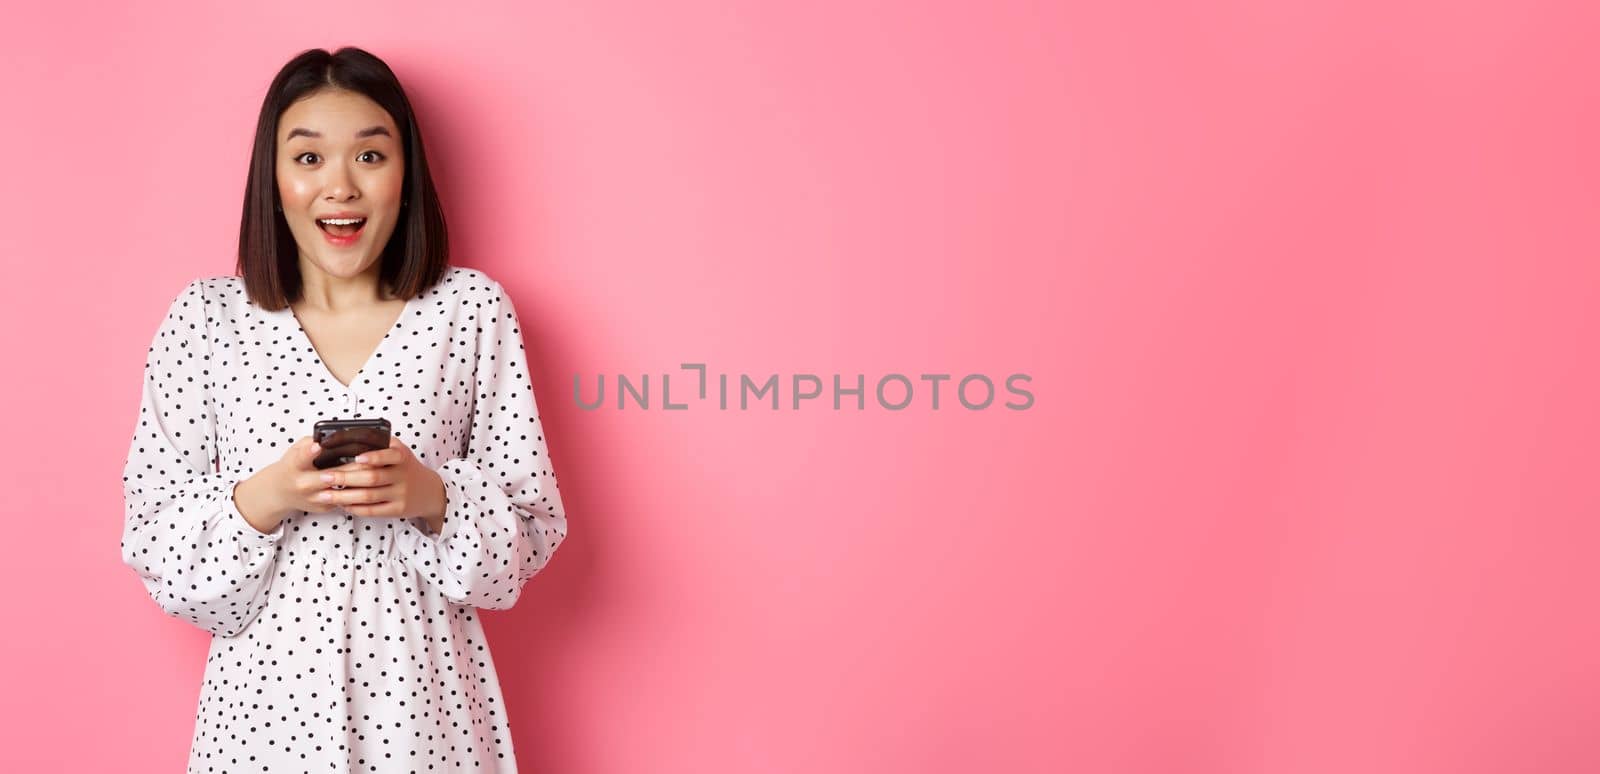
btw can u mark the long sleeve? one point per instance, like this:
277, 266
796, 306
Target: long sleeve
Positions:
503, 517
182, 533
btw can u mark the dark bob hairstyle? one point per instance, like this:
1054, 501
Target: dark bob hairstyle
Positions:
269, 261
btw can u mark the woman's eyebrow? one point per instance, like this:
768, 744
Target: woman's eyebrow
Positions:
370, 131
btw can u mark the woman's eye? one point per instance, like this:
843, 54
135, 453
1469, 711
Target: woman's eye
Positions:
303, 155
376, 155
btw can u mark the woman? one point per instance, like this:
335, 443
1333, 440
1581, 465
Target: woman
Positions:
342, 601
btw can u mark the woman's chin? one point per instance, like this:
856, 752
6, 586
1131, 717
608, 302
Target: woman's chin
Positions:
343, 265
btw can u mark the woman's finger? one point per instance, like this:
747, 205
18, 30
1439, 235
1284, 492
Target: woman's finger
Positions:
349, 495
367, 477
387, 509
366, 496
381, 457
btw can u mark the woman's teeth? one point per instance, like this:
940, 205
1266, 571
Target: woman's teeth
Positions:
341, 226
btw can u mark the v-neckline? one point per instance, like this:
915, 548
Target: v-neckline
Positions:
355, 378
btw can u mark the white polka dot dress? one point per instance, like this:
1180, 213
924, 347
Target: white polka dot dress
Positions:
341, 643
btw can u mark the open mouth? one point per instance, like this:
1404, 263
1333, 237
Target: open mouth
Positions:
343, 228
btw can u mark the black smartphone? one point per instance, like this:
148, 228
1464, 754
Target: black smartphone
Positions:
343, 439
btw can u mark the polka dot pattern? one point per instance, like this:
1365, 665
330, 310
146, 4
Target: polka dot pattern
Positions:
341, 643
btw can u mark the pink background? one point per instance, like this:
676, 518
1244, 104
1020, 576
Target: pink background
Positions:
1307, 292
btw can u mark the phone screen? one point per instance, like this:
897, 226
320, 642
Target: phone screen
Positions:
342, 440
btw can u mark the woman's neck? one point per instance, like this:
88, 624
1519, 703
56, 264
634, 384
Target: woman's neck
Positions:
326, 293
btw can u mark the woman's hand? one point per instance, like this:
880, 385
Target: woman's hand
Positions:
388, 482
283, 487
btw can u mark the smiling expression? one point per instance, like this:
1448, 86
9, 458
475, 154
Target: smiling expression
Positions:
339, 157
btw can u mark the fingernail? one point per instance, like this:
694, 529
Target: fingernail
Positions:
361, 459
325, 496
327, 477
315, 447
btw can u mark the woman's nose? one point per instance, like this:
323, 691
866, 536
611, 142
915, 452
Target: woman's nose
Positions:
341, 186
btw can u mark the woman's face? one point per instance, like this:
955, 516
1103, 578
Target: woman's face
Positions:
339, 156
